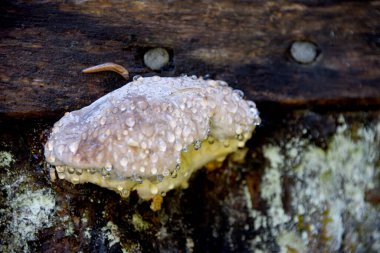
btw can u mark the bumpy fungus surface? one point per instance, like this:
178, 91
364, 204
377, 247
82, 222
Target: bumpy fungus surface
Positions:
151, 134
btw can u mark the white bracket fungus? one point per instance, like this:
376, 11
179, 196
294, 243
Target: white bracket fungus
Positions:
151, 134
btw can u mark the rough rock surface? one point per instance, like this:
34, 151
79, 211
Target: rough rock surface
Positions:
309, 182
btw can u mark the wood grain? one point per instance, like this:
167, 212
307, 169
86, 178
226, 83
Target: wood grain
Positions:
44, 47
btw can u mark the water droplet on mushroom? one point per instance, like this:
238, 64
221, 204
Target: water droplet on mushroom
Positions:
124, 162
251, 104
60, 149
60, 169
70, 170
211, 139
257, 121
84, 136
229, 119
130, 121
186, 131
142, 104
160, 178
125, 193
154, 157
232, 108
153, 189
102, 120
174, 173
105, 173
75, 180
241, 144
197, 144
138, 179
177, 146
79, 171
166, 173
156, 78
49, 145
227, 91
136, 77
55, 130
102, 137
61, 175
170, 137
108, 166
222, 83
161, 145
51, 158
239, 129
147, 130
239, 137
178, 131
239, 93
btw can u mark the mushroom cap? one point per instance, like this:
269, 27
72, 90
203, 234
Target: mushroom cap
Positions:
141, 130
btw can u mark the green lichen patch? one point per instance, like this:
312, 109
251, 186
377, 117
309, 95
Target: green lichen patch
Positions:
26, 206
324, 206
111, 233
32, 211
6, 159
139, 223
111, 236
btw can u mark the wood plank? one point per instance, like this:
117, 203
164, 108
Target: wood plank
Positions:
44, 47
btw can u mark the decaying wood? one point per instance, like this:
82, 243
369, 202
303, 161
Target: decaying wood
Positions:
44, 47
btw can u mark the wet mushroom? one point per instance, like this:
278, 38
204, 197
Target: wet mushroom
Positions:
151, 134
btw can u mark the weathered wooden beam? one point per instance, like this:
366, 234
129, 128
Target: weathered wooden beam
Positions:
44, 47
